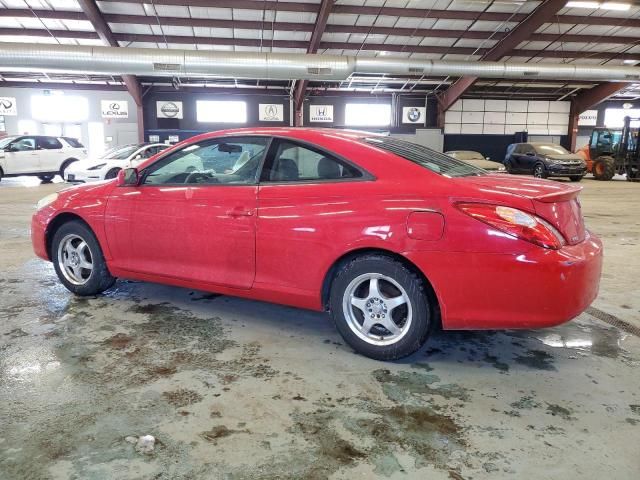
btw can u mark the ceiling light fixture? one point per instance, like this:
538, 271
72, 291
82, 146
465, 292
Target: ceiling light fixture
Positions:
620, 6
630, 62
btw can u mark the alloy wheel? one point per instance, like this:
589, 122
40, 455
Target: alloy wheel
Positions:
75, 259
377, 309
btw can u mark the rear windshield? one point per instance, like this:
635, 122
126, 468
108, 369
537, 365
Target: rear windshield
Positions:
425, 157
73, 142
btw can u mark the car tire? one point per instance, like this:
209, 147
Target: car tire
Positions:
46, 178
394, 298
539, 171
76, 237
65, 165
508, 167
113, 173
604, 168
575, 178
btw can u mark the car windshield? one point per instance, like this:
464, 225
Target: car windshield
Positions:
549, 149
121, 153
425, 157
6, 141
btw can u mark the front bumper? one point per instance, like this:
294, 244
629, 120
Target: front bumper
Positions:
39, 222
539, 288
566, 170
83, 176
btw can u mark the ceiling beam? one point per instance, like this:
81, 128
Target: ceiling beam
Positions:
316, 36
587, 99
94, 15
297, 44
544, 13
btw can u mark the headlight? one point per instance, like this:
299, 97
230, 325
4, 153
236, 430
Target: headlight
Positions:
97, 167
43, 202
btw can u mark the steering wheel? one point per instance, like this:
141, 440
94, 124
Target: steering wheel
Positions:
200, 177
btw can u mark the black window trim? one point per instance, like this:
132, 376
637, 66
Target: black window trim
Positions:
365, 176
170, 151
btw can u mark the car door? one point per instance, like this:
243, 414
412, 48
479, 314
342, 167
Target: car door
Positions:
187, 221
529, 158
306, 196
50, 153
21, 156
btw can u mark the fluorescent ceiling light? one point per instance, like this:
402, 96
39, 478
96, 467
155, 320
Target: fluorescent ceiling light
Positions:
600, 5
630, 62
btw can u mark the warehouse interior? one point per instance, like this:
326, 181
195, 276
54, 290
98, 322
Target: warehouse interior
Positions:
156, 381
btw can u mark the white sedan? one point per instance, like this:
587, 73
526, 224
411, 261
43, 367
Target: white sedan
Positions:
112, 162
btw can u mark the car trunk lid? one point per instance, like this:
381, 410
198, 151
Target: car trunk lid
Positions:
555, 202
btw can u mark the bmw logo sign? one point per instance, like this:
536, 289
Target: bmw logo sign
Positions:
413, 114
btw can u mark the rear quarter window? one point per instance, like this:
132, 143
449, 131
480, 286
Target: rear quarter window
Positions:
74, 143
425, 157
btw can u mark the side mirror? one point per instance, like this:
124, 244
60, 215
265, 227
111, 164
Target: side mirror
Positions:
127, 177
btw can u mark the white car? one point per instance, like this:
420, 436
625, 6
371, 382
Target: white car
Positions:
111, 162
38, 155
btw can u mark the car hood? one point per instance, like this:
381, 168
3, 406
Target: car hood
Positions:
555, 202
85, 164
566, 157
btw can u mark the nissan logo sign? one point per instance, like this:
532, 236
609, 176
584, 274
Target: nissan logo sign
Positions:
169, 109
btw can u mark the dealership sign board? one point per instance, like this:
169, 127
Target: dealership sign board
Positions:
271, 112
321, 113
413, 114
115, 109
8, 106
169, 110
588, 118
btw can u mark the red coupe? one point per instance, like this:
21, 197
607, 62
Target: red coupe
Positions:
390, 237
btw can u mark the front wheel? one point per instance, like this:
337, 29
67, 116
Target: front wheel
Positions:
78, 260
539, 171
575, 178
380, 307
46, 178
113, 173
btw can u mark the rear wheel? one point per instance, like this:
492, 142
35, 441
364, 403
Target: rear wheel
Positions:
539, 171
113, 173
46, 178
380, 307
604, 168
78, 260
575, 178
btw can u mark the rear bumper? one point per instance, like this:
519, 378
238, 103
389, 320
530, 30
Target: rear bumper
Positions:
540, 288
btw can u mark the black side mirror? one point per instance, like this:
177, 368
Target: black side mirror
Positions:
128, 177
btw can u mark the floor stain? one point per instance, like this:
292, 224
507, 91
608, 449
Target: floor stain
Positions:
538, 359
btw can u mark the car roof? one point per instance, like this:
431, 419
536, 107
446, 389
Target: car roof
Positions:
294, 132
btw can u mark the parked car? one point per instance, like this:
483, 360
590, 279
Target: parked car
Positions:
38, 155
544, 160
476, 159
114, 160
390, 237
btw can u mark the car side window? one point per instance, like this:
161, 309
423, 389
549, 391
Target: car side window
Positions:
228, 160
24, 144
48, 143
293, 162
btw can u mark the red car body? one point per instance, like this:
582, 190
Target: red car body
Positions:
279, 242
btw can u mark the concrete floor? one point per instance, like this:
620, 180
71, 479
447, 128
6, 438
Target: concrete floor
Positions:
239, 389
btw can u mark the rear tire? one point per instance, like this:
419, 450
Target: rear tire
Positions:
539, 171
78, 260
46, 178
113, 173
604, 168
380, 307
575, 178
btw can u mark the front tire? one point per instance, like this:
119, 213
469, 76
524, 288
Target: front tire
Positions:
539, 171
78, 260
380, 307
46, 178
575, 178
113, 173
604, 168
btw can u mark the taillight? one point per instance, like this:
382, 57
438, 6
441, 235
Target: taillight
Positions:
514, 222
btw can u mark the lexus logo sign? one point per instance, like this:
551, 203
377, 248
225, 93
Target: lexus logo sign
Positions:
115, 109
8, 106
166, 109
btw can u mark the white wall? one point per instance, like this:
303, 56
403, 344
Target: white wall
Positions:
120, 130
505, 117
428, 137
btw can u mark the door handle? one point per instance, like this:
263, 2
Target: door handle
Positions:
238, 212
